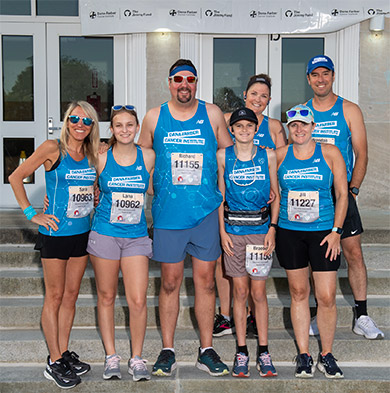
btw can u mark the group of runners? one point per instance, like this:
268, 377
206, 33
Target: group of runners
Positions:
241, 195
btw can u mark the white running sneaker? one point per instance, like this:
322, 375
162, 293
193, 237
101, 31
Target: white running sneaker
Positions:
365, 326
313, 329
112, 367
137, 368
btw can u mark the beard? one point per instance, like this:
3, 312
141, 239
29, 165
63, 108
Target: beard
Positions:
185, 99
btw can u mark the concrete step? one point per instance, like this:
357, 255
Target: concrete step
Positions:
26, 311
188, 379
28, 345
29, 282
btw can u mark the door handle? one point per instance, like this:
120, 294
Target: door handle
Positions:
50, 127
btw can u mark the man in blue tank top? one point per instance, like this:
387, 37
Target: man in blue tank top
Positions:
340, 122
185, 133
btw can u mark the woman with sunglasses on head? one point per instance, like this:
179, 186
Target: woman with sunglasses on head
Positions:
309, 232
119, 238
270, 134
63, 230
246, 175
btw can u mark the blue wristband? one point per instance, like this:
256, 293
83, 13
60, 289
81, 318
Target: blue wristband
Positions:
29, 212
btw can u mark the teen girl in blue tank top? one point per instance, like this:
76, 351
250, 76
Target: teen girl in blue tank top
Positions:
307, 170
118, 239
185, 179
63, 230
331, 127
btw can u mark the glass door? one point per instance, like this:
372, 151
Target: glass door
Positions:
79, 68
22, 105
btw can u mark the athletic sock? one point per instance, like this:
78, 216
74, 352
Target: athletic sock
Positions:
263, 348
243, 349
360, 308
226, 317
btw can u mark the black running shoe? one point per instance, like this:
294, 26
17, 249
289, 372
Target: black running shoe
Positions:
327, 365
61, 373
222, 326
305, 366
79, 367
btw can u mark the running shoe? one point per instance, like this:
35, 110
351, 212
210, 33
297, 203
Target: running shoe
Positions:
365, 326
165, 364
241, 365
313, 329
137, 368
79, 367
210, 362
251, 327
327, 365
264, 365
222, 326
305, 366
112, 367
61, 373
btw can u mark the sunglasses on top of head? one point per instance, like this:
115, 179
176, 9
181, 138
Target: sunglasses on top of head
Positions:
302, 112
119, 107
179, 78
87, 121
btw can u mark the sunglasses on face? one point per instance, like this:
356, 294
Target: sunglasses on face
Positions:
302, 112
119, 107
179, 78
75, 119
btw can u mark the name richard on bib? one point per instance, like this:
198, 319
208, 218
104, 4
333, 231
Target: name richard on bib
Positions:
185, 137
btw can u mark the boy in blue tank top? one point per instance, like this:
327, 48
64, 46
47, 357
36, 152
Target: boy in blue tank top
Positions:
246, 174
185, 133
340, 122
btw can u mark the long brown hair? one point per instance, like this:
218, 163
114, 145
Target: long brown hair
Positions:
91, 142
132, 112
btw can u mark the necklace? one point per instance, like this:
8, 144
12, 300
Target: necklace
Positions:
254, 167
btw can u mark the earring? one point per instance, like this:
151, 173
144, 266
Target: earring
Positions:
244, 96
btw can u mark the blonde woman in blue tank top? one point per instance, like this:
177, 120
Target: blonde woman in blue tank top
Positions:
63, 230
119, 238
309, 233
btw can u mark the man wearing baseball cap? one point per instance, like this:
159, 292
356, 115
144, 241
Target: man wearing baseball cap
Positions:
340, 122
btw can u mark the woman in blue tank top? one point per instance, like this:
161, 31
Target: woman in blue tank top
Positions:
270, 134
309, 232
119, 238
63, 230
246, 174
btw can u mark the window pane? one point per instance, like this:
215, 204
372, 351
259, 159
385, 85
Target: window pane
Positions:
18, 89
58, 7
16, 150
15, 7
86, 67
296, 52
234, 64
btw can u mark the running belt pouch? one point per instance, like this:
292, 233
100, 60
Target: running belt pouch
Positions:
246, 217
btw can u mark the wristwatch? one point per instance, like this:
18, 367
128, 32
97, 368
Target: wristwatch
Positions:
354, 190
338, 230
273, 225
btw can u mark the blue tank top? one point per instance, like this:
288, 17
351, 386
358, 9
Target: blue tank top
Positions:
251, 197
120, 210
262, 136
185, 175
300, 177
331, 127
69, 188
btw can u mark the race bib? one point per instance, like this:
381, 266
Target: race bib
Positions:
186, 168
126, 207
322, 139
256, 263
80, 203
303, 206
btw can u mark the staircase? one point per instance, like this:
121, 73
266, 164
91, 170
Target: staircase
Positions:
366, 364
